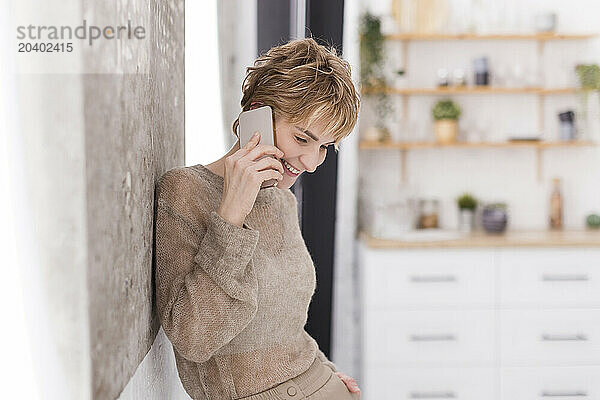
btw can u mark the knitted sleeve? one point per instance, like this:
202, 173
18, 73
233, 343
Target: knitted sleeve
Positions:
326, 361
206, 286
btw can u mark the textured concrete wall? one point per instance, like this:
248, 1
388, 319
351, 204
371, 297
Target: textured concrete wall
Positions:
134, 132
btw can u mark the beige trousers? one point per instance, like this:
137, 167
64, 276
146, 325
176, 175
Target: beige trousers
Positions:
318, 382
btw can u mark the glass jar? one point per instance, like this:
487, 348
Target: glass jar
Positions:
428, 213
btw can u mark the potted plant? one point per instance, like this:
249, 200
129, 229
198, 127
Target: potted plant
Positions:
589, 80
466, 209
593, 221
446, 113
494, 217
372, 76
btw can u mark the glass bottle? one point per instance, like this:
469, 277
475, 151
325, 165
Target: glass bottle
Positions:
556, 205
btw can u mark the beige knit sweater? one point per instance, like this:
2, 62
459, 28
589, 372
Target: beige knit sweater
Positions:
233, 301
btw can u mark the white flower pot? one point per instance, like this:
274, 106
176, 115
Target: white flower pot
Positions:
466, 220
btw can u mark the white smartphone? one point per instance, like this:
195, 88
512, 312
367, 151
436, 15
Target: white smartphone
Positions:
258, 120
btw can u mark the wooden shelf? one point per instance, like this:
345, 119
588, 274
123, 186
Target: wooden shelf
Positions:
473, 36
473, 90
587, 238
365, 144
541, 93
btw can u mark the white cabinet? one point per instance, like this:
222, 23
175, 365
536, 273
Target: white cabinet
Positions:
486, 323
550, 383
550, 337
429, 279
430, 338
430, 383
549, 278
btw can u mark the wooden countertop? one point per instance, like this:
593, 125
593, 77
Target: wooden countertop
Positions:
587, 238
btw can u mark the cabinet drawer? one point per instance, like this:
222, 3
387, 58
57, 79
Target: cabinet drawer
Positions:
556, 278
429, 338
550, 383
549, 337
412, 278
428, 383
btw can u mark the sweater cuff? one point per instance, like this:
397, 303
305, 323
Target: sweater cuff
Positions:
225, 253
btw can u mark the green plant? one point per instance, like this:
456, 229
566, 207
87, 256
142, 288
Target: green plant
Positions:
372, 55
445, 109
466, 202
593, 221
589, 79
589, 76
372, 60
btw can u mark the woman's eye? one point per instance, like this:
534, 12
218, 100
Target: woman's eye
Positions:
302, 140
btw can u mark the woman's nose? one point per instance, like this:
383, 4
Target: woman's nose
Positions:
310, 161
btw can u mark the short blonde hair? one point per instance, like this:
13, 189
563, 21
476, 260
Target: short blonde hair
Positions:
304, 82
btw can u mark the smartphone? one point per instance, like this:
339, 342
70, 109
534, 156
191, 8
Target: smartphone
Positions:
258, 120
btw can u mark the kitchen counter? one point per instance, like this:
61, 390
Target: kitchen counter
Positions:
588, 238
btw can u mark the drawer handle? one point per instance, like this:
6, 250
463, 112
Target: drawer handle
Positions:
565, 277
433, 338
432, 278
432, 395
564, 338
565, 393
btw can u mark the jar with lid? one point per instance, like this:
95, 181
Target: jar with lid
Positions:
428, 213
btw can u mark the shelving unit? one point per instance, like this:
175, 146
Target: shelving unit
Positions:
466, 90
366, 144
540, 92
405, 146
543, 37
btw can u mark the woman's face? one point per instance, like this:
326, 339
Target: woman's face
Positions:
304, 148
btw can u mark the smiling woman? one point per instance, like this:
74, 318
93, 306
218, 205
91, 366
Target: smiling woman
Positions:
285, 75
234, 277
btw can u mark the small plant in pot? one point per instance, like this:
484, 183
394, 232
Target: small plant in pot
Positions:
445, 114
593, 221
466, 209
494, 218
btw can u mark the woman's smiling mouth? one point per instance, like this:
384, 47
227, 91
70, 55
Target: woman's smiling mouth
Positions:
291, 171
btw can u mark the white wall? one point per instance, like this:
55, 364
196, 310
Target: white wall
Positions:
508, 175
204, 136
345, 343
156, 377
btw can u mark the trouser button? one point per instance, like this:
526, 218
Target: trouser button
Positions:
291, 391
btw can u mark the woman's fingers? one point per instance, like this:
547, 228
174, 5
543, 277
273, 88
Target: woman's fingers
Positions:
349, 382
261, 150
268, 162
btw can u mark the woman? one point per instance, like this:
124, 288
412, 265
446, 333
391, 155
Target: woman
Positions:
234, 278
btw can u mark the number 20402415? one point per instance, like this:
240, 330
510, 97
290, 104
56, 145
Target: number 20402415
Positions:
45, 47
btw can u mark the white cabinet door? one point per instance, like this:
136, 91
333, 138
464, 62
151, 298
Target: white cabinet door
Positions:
431, 338
550, 337
428, 383
550, 383
432, 278
549, 278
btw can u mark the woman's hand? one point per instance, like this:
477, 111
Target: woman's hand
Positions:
349, 381
244, 175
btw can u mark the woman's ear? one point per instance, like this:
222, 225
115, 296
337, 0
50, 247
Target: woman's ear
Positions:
255, 104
